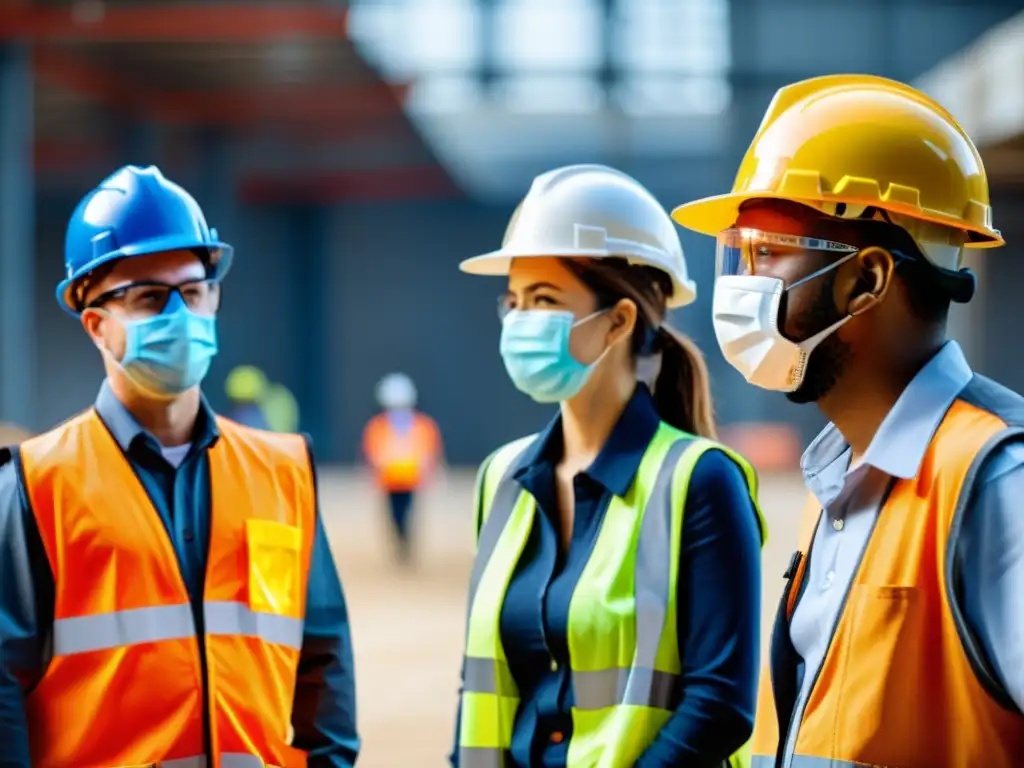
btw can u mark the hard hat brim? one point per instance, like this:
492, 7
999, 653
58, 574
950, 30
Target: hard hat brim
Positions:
498, 263
711, 215
224, 251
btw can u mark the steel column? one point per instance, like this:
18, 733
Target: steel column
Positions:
311, 236
17, 236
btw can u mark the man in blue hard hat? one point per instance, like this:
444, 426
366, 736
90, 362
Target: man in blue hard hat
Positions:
169, 596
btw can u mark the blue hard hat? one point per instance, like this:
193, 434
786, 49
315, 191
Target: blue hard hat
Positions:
135, 212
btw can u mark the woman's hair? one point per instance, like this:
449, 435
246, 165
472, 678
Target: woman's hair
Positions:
682, 391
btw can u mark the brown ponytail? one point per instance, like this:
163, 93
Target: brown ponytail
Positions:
682, 390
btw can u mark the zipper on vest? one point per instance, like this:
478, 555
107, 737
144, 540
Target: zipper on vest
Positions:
790, 572
790, 576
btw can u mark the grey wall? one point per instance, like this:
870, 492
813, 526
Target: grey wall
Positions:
1002, 278
328, 300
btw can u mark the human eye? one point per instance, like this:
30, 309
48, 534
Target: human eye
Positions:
545, 300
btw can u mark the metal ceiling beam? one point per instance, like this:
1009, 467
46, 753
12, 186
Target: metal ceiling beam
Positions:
376, 185
295, 105
63, 162
193, 22
292, 105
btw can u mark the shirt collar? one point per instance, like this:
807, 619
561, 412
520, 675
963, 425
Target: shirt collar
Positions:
899, 446
126, 430
619, 460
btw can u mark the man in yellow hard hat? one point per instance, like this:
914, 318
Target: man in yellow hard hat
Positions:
900, 636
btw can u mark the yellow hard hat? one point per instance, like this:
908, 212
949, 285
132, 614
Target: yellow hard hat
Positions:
843, 143
245, 383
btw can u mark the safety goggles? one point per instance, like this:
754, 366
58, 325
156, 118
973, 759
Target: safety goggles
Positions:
148, 298
742, 251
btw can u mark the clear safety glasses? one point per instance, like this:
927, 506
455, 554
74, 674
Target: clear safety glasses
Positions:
147, 298
744, 251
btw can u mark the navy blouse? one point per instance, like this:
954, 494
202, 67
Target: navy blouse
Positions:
719, 595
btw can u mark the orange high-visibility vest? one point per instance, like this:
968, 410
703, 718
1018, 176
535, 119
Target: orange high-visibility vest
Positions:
401, 458
124, 687
903, 684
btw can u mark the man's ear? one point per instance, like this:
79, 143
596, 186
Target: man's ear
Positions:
875, 270
92, 322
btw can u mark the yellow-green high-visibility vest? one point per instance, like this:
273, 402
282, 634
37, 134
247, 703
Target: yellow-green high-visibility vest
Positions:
623, 644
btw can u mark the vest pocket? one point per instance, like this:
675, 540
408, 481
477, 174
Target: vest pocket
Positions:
275, 553
879, 665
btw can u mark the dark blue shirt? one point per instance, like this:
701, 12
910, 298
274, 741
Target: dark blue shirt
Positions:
324, 712
719, 594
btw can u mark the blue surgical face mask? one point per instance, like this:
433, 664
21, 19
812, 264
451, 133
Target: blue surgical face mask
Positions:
169, 353
535, 349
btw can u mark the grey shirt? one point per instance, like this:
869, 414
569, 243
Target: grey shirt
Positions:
992, 539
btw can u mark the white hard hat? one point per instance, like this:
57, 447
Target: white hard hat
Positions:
396, 390
591, 211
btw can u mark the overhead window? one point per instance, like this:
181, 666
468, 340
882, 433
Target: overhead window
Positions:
670, 56
545, 36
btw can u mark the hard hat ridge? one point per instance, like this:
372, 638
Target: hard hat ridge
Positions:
591, 211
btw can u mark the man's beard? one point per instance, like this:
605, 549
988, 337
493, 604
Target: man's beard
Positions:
827, 361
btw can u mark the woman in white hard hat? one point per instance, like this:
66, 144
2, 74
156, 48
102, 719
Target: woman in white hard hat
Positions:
615, 598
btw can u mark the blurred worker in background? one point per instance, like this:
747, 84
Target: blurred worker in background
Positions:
402, 447
280, 408
246, 386
169, 596
615, 599
900, 638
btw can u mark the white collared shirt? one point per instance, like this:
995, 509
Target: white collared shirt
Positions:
992, 540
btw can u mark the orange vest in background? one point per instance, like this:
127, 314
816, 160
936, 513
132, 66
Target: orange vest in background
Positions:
124, 687
401, 458
898, 686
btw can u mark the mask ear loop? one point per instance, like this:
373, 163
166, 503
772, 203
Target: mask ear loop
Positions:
808, 345
824, 270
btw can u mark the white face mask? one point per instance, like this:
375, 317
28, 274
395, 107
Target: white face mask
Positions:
746, 319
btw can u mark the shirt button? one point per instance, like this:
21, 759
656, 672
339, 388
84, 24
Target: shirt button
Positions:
838, 524
829, 578
554, 665
187, 534
557, 737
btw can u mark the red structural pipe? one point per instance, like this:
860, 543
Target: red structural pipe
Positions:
63, 158
379, 185
295, 104
70, 159
324, 105
191, 22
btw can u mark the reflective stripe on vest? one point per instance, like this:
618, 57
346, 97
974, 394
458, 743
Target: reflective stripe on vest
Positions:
641, 674
126, 685
802, 761
105, 631
227, 760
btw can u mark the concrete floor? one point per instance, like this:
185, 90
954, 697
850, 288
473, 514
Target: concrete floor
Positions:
408, 626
